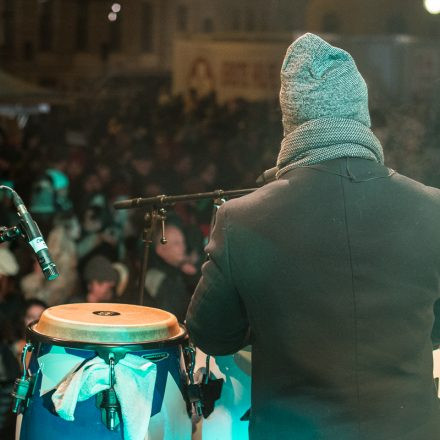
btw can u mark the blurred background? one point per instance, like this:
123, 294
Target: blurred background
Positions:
103, 100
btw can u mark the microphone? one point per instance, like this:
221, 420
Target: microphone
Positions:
36, 241
267, 176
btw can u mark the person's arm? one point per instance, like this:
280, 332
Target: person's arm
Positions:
216, 320
87, 243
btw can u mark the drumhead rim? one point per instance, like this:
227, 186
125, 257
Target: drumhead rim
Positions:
50, 314
87, 345
106, 323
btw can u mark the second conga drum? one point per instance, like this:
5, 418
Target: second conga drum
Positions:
105, 371
229, 420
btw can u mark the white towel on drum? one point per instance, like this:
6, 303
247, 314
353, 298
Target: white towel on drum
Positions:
135, 378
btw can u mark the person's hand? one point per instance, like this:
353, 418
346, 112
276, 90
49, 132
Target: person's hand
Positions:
188, 269
109, 236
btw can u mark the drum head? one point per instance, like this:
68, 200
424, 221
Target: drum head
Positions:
105, 323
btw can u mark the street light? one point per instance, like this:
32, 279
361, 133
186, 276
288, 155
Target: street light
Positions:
116, 7
432, 6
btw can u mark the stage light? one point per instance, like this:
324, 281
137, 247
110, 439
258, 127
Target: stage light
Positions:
116, 7
112, 16
432, 6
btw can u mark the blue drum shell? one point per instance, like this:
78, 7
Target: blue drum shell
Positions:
40, 420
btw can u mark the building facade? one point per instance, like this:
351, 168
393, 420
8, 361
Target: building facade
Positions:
372, 17
65, 43
62, 42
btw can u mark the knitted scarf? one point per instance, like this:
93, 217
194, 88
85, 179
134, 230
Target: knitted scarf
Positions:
324, 139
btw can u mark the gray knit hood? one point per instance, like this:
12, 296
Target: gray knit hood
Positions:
324, 103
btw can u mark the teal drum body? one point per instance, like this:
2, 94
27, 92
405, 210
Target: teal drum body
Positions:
103, 371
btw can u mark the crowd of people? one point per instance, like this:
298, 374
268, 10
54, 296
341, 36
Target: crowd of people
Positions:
71, 165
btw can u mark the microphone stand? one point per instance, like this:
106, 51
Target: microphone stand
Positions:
163, 201
150, 220
157, 212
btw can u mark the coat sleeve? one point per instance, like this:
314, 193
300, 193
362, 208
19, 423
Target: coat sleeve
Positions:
216, 320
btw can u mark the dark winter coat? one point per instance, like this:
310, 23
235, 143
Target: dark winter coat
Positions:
334, 269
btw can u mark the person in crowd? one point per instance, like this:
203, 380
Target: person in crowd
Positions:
62, 244
331, 272
100, 280
11, 305
32, 310
141, 167
11, 298
7, 215
9, 371
99, 234
166, 280
90, 191
43, 202
60, 183
50, 191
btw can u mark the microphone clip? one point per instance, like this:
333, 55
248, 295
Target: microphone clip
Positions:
9, 234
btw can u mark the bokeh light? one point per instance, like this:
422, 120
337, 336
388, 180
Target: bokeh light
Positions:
116, 7
432, 6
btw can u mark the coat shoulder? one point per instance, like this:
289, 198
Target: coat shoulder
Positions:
256, 200
418, 188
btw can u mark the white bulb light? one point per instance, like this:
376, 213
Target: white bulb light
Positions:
116, 7
112, 16
432, 6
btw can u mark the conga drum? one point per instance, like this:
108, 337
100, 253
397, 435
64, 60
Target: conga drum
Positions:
104, 371
229, 420
436, 368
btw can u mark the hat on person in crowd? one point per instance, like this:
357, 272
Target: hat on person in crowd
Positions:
100, 268
59, 179
319, 80
60, 183
43, 196
8, 262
